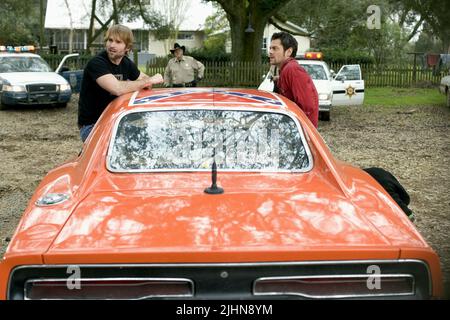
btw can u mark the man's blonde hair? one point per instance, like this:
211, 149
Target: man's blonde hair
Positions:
121, 32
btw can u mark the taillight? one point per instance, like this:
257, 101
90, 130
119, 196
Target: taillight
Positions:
51, 289
51, 199
346, 286
56, 193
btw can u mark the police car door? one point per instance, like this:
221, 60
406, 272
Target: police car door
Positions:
348, 86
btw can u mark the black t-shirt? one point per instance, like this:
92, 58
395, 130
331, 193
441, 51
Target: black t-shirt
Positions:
93, 98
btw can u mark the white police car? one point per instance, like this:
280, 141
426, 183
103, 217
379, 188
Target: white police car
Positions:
26, 79
344, 88
444, 88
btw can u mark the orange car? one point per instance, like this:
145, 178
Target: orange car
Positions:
213, 193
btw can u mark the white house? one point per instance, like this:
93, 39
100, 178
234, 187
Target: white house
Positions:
60, 20
277, 25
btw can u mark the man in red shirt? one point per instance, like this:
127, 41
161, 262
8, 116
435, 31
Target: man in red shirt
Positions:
294, 82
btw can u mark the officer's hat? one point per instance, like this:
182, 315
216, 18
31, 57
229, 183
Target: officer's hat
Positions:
177, 46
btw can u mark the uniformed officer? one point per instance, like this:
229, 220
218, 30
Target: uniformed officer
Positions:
180, 71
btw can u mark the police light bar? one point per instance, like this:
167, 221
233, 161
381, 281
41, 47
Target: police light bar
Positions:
17, 49
314, 55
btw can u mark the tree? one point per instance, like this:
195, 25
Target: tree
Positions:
339, 28
217, 31
329, 22
428, 42
145, 9
246, 46
435, 13
42, 8
19, 23
96, 8
172, 13
125, 10
163, 17
71, 26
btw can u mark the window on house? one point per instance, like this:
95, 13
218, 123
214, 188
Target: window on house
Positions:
185, 36
264, 44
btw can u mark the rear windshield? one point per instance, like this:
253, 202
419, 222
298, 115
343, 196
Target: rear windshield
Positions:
191, 139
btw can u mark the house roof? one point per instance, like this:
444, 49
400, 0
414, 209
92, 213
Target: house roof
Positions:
278, 23
58, 16
288, 26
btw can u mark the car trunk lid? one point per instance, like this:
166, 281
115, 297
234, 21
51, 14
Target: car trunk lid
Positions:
269, 222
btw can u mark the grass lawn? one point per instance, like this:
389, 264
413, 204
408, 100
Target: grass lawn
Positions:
403, 97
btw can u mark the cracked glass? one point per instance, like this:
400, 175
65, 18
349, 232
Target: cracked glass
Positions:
191, 139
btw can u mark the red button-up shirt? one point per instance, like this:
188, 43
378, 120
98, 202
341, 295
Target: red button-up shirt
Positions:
296, 85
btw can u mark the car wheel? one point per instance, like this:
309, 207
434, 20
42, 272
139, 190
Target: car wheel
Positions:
324, 116
61, 105
3, 106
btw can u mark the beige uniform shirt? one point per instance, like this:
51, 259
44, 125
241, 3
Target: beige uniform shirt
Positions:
181, 72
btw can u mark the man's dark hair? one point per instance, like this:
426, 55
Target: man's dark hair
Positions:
287, 41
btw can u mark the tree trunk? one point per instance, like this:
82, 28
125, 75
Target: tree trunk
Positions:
247, 46
42, 42
71, 26
446, 43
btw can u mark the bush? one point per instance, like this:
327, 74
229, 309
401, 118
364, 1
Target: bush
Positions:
340, 56
205, 55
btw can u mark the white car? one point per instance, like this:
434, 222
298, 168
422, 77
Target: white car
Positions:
445, 88
26, 79
344, 88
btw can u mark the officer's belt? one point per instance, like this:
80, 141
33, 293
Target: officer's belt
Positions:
182, 85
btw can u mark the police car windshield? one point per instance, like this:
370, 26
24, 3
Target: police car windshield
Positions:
187, 139
23, 64
316, 71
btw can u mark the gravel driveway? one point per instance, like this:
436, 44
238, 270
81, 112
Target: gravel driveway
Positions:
412, 143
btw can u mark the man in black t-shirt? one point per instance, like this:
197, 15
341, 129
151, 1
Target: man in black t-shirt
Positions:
109, 75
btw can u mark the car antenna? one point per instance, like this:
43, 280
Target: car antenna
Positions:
214, 189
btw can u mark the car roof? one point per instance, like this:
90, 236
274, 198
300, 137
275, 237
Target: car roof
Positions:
208, 97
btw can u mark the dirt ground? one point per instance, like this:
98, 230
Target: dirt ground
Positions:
411, 142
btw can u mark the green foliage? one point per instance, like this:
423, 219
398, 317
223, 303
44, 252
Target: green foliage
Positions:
216, 31
330, 22
386, 45
216, 43
19, 23
340, 26
434, 12
217, 22
428, 42
346, 56
213, 54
